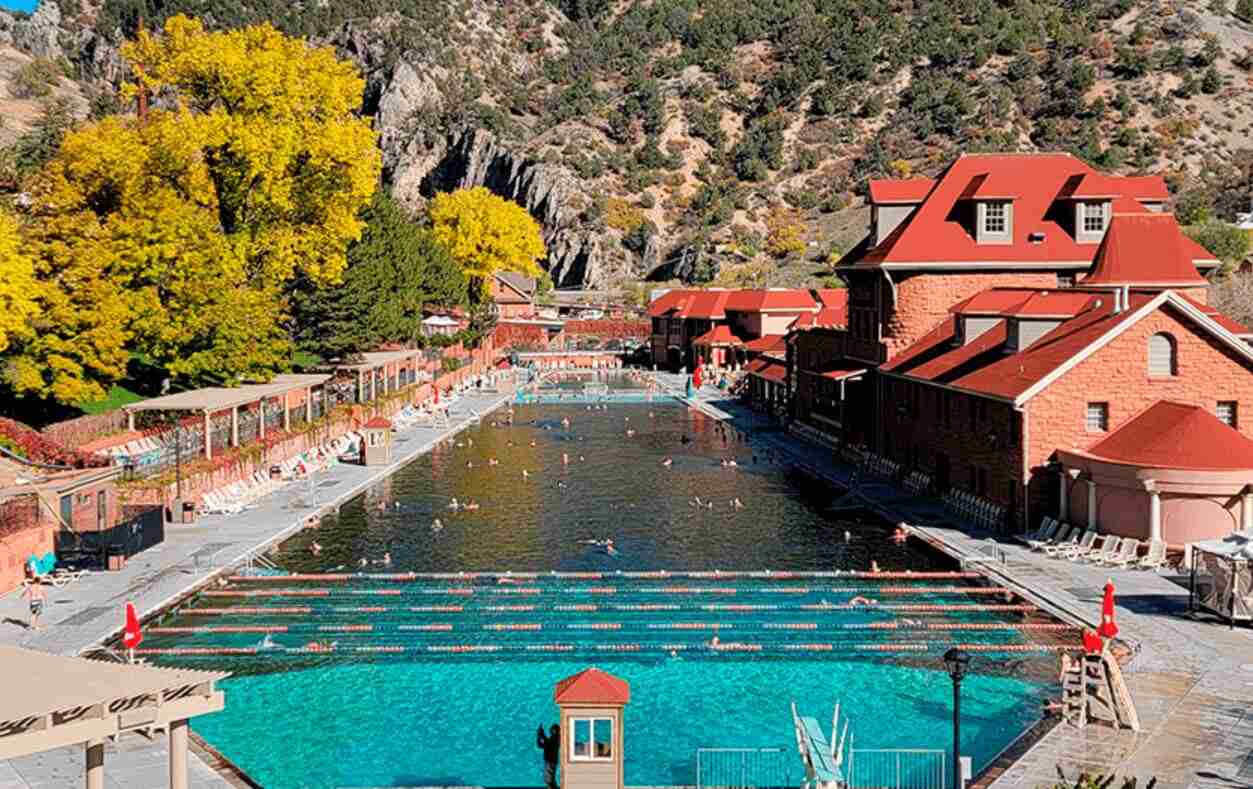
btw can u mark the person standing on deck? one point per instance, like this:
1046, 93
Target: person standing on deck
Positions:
550, 744
38, 595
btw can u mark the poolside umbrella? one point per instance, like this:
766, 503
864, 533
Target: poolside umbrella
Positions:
132, 636
1108, 628
1091, 642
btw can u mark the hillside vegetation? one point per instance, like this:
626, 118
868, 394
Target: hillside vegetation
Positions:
731, 140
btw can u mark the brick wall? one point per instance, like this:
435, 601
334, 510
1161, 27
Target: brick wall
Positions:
22, 533
923, 300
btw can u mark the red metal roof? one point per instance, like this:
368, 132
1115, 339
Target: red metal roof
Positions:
592, 686
718, 335
772, 299
1026, 302
1178, 436
768, 369
840, 372
836, 298
1143, 249
906, 191
935, 234
712, 304
770, 343
379, 422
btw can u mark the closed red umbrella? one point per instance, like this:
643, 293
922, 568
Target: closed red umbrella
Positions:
696, 377
1108, 628
1091, 642
132, 636
436, 390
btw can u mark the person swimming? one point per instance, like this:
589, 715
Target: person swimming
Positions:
862, 601
874, 566
364, 562
630, 433
454, 504
900, 535
469, 464
436, 526
526, 474
668, 461
493, 462
471, 505
315, 549
736, 503
565, 459
532, 442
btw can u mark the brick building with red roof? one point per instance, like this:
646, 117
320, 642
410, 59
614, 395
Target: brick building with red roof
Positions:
1021, 307
714, 326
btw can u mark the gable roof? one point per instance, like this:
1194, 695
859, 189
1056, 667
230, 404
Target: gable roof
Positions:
718, 335
1178, 436
987, 366
522, 288
768, 344
934, 234
592, 686
767, 368
1143, 250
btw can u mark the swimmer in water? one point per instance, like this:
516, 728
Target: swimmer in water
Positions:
696, 502
493, 462
859, 600
267, 642
581, 458
469, 464
532, 442
900, 535
630, 433
364, 562
561, 484
667, 462
874, 566
736, 503
526, 474
386, 561
454, 504
436, 526
609, 549
471, 505
315, 548
565, 459
381, 506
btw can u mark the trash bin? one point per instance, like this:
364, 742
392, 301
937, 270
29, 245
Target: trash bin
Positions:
115, 557
188, 514
276, 472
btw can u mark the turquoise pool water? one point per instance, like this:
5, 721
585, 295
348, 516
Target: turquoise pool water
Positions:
19, 5
425, 715
473, 723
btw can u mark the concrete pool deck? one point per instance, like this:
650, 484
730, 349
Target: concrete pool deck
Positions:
84, 614
1191, 679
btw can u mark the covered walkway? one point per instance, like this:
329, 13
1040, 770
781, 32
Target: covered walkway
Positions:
52, 701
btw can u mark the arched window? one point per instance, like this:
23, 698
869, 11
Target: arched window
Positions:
1162, 361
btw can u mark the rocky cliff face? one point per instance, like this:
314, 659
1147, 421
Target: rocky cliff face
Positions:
419, 164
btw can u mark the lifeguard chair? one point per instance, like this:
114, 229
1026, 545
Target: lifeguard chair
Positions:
376, 442
591, 704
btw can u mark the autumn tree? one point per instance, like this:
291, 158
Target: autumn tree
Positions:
784, 233
175, 235
393, 271
17, 285
487, 234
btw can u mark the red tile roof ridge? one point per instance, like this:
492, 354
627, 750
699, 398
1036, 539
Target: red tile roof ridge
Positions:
1173, 434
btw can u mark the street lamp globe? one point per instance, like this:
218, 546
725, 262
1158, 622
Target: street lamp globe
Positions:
958, 663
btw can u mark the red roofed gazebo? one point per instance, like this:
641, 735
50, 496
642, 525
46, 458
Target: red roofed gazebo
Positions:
716, 346
376, 443
1174, 473
591, 704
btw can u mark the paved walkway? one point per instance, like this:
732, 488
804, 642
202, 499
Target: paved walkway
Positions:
1191, 679
84, 614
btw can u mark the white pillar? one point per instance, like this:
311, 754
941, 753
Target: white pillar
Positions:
361, 386
286, 412
1091, 503
309, 403
234, 425
261, 418
208, 438
178, 754
1155, 514
130, 421
95, 764
1246, 510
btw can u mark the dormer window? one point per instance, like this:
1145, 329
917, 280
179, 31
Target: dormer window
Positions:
1095, 217
995, 221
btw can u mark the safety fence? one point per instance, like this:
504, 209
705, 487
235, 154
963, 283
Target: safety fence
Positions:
897, 768
746, 768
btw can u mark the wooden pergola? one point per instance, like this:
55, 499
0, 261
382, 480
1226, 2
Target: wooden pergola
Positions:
52, 701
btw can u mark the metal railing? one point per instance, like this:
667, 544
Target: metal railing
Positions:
897, 768
746, 768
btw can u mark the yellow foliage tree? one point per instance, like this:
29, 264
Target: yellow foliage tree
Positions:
17, 285
487, 234
174, 235
784, 233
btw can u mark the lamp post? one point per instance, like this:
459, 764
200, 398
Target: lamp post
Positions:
957, 662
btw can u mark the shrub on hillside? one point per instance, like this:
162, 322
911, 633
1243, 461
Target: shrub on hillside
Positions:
35, 79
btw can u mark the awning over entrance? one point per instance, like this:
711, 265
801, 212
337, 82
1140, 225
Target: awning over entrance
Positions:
845, 373
220, 398
767, 368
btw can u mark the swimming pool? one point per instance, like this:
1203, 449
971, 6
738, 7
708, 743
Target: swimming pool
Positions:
429, 711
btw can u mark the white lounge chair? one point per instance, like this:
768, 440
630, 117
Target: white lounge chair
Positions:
1109, 549
1128, 553
1045, 536
1069, 542
1155, 559
1081, 548
1061, 538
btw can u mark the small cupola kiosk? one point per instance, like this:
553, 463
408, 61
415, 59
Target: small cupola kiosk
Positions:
376, 442
591, 704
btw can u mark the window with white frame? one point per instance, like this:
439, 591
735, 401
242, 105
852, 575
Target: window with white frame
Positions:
1095, 217
1226, 412
1162, 361
591, 739
1097, 417
994, 218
